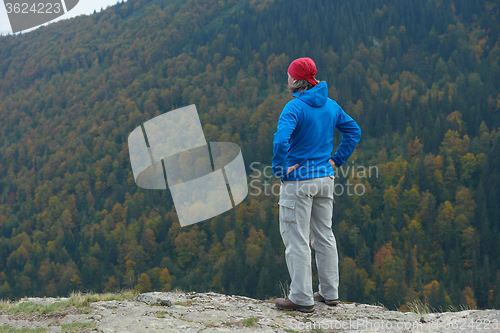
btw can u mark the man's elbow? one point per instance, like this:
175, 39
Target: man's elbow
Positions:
280, 147
278, 142
279, 171
355, 135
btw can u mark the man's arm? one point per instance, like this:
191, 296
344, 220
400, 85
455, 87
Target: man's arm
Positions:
286, 126
351, 134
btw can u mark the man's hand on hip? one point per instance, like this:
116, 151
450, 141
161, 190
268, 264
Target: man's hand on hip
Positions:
332, 163
290, 169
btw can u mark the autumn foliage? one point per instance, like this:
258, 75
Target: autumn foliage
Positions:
422, 78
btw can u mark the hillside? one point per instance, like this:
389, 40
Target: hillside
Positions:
421, 78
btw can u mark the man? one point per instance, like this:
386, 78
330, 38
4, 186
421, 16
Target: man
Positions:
302, 147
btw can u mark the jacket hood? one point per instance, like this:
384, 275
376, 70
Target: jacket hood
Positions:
316, 96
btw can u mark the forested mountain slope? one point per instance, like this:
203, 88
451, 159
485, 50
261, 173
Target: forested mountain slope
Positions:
422, 78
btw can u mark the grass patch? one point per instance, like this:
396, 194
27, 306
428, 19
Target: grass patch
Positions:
8, 329
177, 290
285, 289
294, 313
418, 307
271, 300
375, 304
5, 305
76, 299
249, 322
76, 327
65, 328
161, 314
464, 307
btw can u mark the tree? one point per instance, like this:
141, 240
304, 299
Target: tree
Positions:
112, 285
5, 291
143, 284
470, 301
433, 294
186, 246
255, 243
165, 280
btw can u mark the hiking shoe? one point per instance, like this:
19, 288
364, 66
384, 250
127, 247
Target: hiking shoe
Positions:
286, 304
319, 298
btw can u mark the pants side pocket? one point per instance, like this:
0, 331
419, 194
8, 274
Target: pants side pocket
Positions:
287, 210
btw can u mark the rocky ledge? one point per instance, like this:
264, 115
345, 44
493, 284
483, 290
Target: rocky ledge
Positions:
212, 312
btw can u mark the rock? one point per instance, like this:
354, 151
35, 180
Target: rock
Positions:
165, 302
153, 299
212, 312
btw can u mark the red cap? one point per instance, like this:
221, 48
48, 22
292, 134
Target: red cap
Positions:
303, 69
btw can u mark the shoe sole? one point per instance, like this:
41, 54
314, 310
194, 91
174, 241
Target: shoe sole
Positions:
330, 303
296, 309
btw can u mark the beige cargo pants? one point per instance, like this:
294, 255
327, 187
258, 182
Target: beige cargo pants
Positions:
305, 215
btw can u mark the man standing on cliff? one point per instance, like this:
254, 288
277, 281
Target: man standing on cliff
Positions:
302, 159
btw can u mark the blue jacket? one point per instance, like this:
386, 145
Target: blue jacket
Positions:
305, 135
